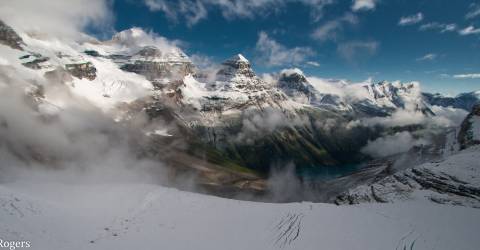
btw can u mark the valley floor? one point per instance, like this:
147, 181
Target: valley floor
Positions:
141, 216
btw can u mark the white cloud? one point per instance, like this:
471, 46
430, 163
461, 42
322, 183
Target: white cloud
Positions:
448, 116
428, 57
401, 117
271, 53
474, 11
57, 17
202, 61
314, 64
342, 88
392, 144
194, 11
135, 37
409, 20
330, 30
442, 27
467, 76
351, 50
326, 86
470, 30
359, 5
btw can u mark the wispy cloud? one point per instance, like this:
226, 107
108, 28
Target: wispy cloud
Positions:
467, 76
352, 50
193, 11
330, 30
271, 53
470, 30
314, 64
428, 57
442, 27
409, 20
474, 11
359, 5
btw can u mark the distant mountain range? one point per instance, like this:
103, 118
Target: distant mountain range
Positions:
235, 122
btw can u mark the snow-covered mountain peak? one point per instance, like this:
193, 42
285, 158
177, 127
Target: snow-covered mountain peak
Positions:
136, 42
131, 37
294, 76
395, 94
294, 83
237, 61
463, 101
292, 71
147, 54
238, 58
154, 54
235, 67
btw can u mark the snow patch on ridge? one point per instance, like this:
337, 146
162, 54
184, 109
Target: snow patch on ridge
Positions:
239, 58
291, 71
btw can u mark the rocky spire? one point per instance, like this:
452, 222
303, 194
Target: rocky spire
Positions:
237, 65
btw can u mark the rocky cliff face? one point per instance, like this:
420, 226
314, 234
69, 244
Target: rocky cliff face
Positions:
82, 70
9, 37
156, 66
469, 134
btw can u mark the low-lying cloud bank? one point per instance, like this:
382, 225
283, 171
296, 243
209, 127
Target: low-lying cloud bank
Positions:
392, 144
77, 141
58, 17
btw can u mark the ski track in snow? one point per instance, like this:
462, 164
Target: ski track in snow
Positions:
140, 216
288, 229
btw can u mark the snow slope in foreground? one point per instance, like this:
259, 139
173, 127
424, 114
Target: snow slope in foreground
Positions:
140, 216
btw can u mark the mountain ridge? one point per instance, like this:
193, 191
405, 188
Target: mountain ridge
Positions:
233, 118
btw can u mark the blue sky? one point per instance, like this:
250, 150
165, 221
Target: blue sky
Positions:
436, 42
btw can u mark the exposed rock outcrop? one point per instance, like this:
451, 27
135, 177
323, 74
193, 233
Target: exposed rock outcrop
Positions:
469, 134
34, 61
9, 37
82, 70
155, 65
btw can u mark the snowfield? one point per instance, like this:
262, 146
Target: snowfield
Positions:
141, 216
